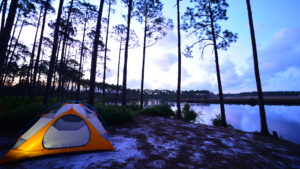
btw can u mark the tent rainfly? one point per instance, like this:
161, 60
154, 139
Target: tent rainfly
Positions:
70, 128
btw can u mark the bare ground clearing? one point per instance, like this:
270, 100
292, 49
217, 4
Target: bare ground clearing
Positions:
157, 142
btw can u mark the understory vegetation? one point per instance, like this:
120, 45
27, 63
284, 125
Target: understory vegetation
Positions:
217, 121
158, 110
188, 114
16, 113
115, 115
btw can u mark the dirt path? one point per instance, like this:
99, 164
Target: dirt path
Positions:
156, 142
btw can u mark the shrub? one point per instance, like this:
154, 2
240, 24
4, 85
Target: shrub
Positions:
158, 110
115, 115
134, 107
217, 121
188, 115
18, 117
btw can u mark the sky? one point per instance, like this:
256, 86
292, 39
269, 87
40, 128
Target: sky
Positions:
277, 30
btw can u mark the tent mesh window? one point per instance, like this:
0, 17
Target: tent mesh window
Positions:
67, 131
35, 128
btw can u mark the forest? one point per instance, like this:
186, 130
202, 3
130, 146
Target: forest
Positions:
52, 65
57, 52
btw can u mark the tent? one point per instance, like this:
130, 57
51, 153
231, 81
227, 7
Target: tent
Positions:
71, 128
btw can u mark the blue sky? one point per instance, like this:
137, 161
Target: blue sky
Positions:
277, 29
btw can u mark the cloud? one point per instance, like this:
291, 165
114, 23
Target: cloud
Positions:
286, 80
185, 73
134, 84
284, 52
165, 61
279, 65
169, 42
279, 68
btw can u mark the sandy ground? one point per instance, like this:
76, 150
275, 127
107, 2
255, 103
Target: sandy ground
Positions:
156, 142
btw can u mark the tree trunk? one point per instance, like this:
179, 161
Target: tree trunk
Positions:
80, 62
39, 76
55, 66
3, 14
6, 58
53, 54
36, 66
53, 83
94, 55
179, 116
218, 71
5, 33
17, 40
105, 52
124, 100
263, 121
61, 68
143, 64
2, 2
32, 56
117, 94
63, 79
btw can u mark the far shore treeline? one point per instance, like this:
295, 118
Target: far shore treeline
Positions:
198, 96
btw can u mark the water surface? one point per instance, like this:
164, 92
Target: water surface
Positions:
285, 120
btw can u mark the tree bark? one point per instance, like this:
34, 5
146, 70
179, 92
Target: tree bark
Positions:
222, 107
263, 121
36, 66
179, 116
39, 76
53, 54
117, 93
4, 35
105, 52
124, 99
94, 55
63, 79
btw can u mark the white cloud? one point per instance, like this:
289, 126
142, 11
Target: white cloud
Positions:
165, 61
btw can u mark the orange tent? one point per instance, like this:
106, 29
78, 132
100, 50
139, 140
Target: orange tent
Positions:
70, 128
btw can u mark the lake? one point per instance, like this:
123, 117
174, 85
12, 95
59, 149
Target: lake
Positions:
283, 119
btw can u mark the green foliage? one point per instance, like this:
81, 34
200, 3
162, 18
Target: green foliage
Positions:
15, 113
201, 20
158, 110
188, 115
134, 107
217, 121
115, 115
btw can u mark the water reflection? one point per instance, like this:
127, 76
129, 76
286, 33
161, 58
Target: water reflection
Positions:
283, 119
